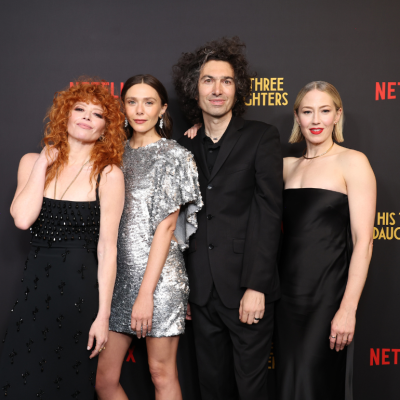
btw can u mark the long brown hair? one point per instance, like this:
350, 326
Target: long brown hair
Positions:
166, 130
105, 152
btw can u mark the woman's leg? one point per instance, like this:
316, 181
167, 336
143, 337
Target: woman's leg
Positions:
161, 353
109, 367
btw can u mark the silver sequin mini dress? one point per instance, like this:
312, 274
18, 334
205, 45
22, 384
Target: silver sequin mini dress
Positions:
159, 178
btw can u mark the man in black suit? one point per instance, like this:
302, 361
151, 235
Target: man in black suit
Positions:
232, 258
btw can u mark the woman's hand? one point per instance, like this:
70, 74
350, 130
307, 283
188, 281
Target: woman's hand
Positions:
48, 155
142, 315
188, 312
98, 331
192, 132
342, 328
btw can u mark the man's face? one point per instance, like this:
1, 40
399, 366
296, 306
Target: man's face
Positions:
216, 88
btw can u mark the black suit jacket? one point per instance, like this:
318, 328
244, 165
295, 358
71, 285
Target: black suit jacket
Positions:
236, 244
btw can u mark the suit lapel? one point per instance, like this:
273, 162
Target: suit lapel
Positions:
232, 136
198, 150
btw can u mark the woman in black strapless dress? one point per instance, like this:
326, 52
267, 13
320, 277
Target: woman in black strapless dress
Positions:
328, 208
69, 273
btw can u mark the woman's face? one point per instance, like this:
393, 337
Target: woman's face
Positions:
86, 123
143, 107
317, 115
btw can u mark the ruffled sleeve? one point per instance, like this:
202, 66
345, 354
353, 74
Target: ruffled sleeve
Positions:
178, 186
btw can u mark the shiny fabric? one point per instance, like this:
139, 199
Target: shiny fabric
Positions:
159, 178
314, 267
44, 354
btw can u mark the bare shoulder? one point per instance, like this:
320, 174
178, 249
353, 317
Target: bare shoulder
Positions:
289, 163
28, 160
111, 174
349, 158
356, 170
290, 160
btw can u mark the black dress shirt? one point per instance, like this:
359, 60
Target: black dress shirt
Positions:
211, 149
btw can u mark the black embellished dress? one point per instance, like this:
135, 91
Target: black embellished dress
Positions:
44, 355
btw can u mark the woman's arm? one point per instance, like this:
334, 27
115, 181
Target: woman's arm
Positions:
361, 190
28, 198
112, 196
142, 310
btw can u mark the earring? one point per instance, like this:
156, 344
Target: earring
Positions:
161, 122
101, 138
126, 122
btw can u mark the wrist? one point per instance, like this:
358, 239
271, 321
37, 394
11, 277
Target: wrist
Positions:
145, 293
42, 162
104, 315
348, 307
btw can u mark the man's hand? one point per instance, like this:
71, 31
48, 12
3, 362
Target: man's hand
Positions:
252, 307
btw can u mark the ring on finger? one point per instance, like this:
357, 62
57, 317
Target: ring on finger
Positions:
333, 337
257, 319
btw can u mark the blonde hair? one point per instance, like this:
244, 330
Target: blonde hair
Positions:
337, 134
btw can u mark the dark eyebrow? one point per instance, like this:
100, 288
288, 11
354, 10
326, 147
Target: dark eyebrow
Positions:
144, 98
215, 77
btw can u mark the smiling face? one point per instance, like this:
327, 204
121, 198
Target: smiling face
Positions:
143, 107
86, 123
316, 116
217, 88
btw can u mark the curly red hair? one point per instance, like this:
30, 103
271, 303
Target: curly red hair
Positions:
105, 152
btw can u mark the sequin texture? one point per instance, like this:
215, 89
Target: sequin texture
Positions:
159, 178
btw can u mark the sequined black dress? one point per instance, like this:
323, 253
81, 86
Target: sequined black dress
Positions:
44, 355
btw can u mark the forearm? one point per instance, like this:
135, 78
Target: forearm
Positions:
26, 206
358, 272
157, 256
107, 270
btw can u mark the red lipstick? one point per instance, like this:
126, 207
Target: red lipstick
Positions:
316, 131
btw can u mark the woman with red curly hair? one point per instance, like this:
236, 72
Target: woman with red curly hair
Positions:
59, 323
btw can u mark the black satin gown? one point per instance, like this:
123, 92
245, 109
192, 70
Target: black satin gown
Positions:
44, 355
314, 265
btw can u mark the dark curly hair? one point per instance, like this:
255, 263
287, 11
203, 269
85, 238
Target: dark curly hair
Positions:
186, 73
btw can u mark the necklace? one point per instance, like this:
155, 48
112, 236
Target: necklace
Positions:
311, 158
73, 180
214, 139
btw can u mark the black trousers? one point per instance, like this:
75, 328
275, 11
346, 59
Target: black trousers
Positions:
232, 356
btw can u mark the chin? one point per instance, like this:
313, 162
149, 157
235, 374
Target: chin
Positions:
218, 113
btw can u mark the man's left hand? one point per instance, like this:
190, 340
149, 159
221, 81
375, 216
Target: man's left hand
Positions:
252, 307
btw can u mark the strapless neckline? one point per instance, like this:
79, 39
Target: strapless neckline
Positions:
326, 190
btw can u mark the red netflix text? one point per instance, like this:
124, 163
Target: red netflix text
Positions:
385, 90
129, 355
384, 356
108, 84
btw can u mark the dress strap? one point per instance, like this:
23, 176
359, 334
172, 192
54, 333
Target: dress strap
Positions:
97, 188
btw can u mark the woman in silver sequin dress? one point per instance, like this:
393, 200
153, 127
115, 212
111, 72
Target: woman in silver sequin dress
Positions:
162, 196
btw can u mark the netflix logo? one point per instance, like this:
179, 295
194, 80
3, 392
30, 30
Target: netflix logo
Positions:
383, 357
110, 85
386, 90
